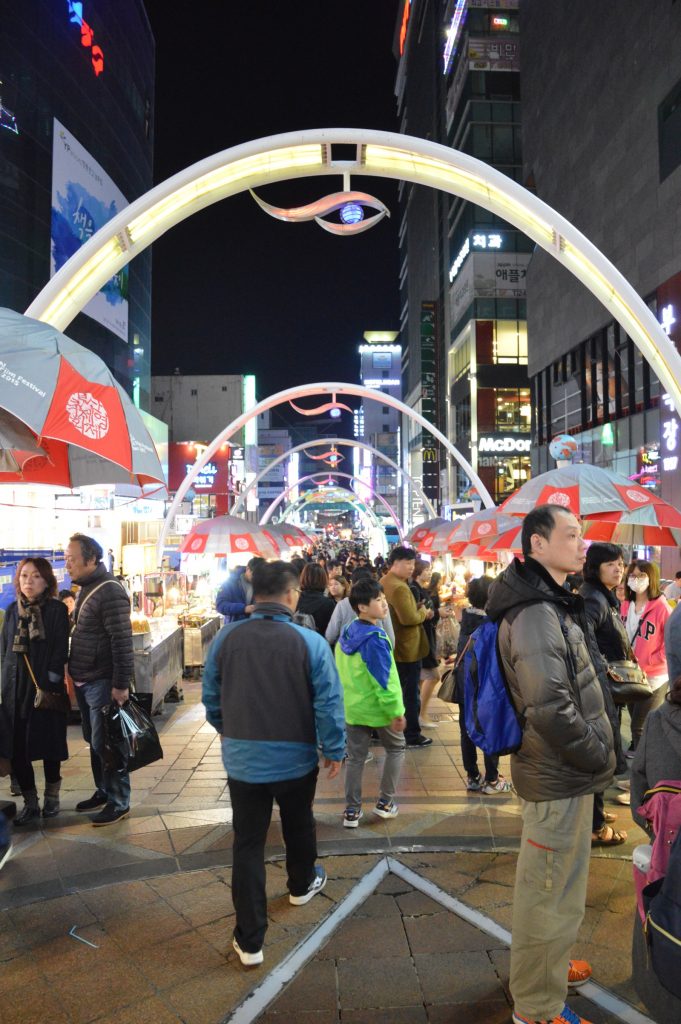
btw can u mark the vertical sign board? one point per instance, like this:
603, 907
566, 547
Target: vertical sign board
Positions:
429, 447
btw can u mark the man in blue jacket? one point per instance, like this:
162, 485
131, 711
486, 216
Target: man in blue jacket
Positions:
272, 691
235, 596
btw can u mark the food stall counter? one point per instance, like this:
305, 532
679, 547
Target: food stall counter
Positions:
159, 659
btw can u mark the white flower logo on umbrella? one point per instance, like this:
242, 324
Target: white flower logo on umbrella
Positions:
638, 497
559, 498
241, 544
484, 528
87, 414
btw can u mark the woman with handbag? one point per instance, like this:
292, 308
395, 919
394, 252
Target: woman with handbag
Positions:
603, 572
34, 648
645, 613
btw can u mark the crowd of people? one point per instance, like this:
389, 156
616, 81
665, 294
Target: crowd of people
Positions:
324, 655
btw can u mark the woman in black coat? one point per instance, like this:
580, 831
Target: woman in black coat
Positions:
35, 633
313, 600
603, 571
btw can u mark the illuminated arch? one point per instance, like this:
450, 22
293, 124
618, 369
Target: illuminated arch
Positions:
377, 154
319, 442
265, 518
303, 391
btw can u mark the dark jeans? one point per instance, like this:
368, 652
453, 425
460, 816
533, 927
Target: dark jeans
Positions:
92, 697
469, 753
410, 677
599, 812
640, 711
22, 769
252, 813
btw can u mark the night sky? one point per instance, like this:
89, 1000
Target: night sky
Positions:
235, 291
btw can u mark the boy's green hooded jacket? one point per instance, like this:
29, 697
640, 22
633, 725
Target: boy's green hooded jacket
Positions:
371, 685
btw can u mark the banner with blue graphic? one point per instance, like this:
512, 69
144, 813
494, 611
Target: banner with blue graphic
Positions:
84, 198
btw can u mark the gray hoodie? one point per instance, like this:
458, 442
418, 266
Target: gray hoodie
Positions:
658, 754
343, 615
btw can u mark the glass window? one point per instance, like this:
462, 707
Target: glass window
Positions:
510, 341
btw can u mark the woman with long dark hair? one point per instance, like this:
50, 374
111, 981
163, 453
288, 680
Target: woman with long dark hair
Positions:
603, 572
313, 600
34, 649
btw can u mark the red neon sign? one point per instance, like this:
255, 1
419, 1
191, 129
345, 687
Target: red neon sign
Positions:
87, 36
405, 22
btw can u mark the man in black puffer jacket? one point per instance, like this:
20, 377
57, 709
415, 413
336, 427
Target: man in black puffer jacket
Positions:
566, 756
101, 666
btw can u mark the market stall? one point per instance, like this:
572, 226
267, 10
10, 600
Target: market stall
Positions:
199, 632
158, 656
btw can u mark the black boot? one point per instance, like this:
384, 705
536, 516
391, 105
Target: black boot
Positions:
51, 802
31, 809
14, 787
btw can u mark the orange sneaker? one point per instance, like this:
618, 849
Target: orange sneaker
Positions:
579, 972
566, 1016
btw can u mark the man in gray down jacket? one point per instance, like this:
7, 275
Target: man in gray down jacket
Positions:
565, 757
101, 666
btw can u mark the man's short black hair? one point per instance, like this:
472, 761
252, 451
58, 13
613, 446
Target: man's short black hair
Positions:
677, 575
401, 554
66, 593
272, 579
298, 564
364, 591
541, 520
89, 548
362, 573
477, 591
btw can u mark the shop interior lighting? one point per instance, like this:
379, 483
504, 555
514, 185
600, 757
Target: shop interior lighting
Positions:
453, 33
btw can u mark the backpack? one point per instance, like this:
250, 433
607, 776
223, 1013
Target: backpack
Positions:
662, 900
492, 721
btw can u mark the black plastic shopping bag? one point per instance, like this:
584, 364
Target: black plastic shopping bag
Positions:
130, 737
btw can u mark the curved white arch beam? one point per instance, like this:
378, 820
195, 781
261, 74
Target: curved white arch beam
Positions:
265, 518
338, 441
378, 154
303, 391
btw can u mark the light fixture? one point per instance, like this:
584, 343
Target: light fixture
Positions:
349, 205
351, 213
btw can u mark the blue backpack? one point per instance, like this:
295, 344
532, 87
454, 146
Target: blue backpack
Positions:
492, 721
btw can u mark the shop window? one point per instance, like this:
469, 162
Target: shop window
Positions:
158, 398
194, 391
510, 342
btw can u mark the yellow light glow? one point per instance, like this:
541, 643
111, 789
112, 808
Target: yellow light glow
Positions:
80, 282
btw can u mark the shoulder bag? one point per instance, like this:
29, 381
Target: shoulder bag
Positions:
46, 700
628, 682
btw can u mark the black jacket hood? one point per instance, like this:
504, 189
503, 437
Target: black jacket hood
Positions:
527, 583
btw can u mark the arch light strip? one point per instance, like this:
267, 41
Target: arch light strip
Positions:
265, 518
380, 154
323, 441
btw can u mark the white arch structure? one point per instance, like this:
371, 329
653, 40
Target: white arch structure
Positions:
323, 441
353, 496
377, 154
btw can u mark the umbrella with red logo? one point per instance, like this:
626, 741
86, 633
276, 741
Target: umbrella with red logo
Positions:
431, 537
289, 535
657, 525
66, 421
581, 488
229, 535
480, 530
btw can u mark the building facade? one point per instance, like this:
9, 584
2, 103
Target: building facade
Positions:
377, 424
76, 134
463, 268
616, 175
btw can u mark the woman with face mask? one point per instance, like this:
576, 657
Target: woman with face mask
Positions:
644, 613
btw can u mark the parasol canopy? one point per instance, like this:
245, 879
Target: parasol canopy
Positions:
65, 420
657, 525
479, 530
288, 535
431, 537
581, 488
229, 535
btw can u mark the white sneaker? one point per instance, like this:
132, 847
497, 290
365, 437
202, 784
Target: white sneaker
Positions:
428, 723
624, 799
500, 785
386, 809
624, 784
315, 886
248, 959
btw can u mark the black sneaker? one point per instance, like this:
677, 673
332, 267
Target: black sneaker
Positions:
420, 741
96, 800
110, 814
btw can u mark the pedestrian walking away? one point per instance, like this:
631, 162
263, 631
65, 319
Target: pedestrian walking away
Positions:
235, 596
411, 642
271, 689
34, 647
101, 666
373, 700
565, 757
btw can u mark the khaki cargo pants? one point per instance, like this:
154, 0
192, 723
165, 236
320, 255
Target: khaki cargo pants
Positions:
549, 901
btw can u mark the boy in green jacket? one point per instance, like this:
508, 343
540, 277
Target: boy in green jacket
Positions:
373, 700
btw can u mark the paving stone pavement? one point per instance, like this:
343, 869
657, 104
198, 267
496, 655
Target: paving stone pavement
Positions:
152, 895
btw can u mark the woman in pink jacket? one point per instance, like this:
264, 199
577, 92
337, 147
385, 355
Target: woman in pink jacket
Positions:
644, 613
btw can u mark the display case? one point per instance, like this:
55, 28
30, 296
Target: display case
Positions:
165, 593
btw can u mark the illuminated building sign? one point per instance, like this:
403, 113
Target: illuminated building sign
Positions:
371, 383
667, 319
456, 265
379, 348
87, 36
493, 241
508, 444
670, 435
480, 241
405, 24
500, 21
453, 33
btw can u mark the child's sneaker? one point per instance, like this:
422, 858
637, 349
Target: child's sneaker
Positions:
500, 785
386, 809
566, 1016
579, 972
474, 784
351, 817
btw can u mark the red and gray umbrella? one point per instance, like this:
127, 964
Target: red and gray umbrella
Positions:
582, 489
229, 535
432, 536
65, 420
479, 530
288, 535
657, 525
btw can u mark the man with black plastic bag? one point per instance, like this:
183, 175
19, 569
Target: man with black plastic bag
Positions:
101, 666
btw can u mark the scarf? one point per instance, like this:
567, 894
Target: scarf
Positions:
29, 623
